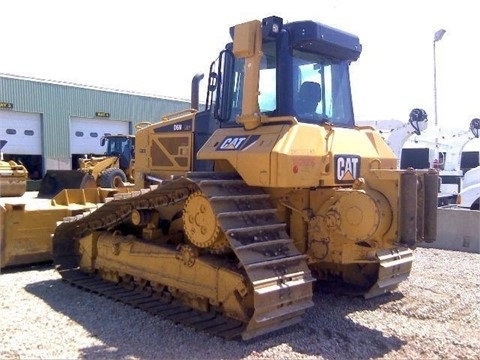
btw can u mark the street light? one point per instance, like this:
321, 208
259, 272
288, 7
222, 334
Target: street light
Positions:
437, 37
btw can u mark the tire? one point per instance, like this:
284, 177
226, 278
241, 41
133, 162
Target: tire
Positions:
112, 178
475, 205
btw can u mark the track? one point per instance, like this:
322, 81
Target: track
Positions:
211, 323
278, 273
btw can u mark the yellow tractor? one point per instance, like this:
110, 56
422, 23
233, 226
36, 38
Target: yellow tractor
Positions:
112, 170
13, 176
240, 207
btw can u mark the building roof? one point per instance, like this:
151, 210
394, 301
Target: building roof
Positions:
89, 87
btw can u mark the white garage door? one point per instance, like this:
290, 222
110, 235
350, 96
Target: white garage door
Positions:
85, 133
22, 131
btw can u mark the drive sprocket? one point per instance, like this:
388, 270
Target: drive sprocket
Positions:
201, 225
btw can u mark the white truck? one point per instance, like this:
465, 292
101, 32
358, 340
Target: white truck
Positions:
442, 148
435, 147
469, 196
396, 132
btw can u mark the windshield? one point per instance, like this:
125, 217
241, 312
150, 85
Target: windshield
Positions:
118, 145
320, 89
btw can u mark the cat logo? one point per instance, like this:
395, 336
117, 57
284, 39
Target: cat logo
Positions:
347, 168
237, 142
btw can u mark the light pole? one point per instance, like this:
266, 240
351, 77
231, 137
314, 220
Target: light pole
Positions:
437, 37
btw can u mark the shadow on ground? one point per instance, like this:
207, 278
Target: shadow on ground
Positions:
326, 332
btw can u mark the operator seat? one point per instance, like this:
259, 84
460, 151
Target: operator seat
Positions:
309, 96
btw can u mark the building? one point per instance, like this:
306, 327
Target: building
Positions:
48, 125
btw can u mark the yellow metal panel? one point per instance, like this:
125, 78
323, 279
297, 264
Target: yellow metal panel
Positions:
249, 152
26, 233
300, 154
244, 44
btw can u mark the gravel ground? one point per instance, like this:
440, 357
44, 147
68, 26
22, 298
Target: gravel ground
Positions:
435, 314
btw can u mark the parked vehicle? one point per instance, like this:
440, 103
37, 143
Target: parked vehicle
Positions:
469, 196
238, 208
112, 170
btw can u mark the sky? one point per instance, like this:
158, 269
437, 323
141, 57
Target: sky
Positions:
156, 47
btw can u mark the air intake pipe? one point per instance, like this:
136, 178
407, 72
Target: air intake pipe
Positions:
194, 96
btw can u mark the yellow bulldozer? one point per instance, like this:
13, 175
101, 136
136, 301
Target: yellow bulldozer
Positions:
112, 170
237, 208
13, 176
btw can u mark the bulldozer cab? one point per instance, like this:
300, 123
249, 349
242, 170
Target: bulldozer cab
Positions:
274, 70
